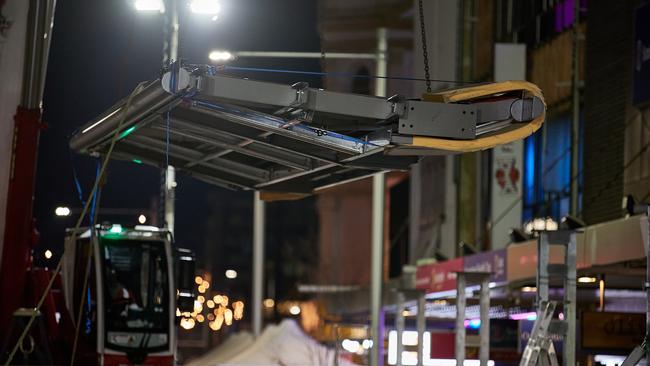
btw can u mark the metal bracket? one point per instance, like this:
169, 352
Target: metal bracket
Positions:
438, 119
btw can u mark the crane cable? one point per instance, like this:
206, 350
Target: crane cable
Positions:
59, 266
425, 53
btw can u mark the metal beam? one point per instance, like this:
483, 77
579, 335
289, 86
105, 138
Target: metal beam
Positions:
326, 55
246, 147
421, 325
461, 302
377, 238
258, 261
214, 133
235, 168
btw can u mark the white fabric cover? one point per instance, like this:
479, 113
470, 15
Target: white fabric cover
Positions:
284, 344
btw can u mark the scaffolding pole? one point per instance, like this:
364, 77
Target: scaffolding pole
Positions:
377, 239
259, 217
462, 280
421, 325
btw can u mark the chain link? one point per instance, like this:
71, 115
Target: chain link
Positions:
425, 54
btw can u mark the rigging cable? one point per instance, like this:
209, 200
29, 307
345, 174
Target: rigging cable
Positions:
343, 74
425, 53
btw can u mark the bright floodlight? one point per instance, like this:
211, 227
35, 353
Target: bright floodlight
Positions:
207, 7
142, 219
149, 5
48, 254
221, 56
231, 274
62, 211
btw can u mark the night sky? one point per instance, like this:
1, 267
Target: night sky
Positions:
100, 50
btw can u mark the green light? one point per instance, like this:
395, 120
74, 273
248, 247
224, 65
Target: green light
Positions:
115, 229
127, 132
137, 161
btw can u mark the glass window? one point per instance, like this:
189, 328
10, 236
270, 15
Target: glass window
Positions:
136, 289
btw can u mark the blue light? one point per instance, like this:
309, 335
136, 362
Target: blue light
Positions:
529, 170
473, 324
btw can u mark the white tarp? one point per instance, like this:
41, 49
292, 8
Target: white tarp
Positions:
234, 345
284, 344
13, 29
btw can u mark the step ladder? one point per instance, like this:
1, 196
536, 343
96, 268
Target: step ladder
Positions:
540, 349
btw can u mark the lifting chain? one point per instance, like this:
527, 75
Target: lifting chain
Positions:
425, 54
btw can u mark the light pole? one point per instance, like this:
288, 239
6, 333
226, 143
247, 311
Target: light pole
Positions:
171, 27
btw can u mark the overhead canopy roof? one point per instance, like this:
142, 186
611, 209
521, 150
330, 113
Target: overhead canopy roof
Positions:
246, 134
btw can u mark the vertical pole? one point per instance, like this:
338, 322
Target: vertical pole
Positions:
484, 331
575, 125
542, 267
461, 303
170, 54
570, 301
381, 65
258, 262
170, 197
376, 270
647, 286
399, 326
421, 324
377, 239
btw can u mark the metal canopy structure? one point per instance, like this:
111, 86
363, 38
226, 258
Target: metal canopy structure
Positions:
245, 134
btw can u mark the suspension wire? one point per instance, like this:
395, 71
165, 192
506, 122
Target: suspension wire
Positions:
75, 178
94, 212
344, 74
86, 207
425, 53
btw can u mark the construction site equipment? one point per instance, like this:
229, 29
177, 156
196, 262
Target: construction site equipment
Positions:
245, 134
463, 279
540, 349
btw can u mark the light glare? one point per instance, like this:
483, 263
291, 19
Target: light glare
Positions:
231, 274
62, 211
294, 310
149, 5
221, 56
142, 219
48, 254
187, 323
587, 279
207, 7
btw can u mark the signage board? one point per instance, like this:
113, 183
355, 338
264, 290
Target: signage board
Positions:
437, 277
494, 262
612, 331
522, 259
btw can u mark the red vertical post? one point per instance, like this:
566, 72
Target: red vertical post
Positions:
20, 234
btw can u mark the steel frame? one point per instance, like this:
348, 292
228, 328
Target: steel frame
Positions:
247, 134
462, 280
